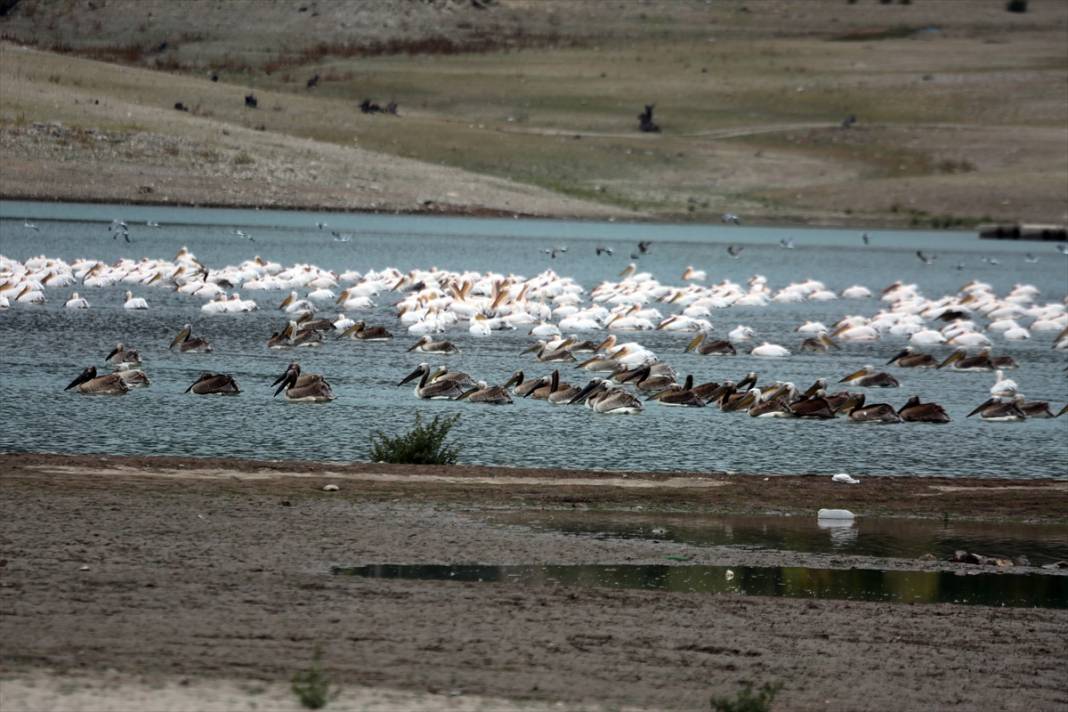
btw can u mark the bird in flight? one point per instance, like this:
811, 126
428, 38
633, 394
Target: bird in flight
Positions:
644, 246
602, 250
925, 258
734, 251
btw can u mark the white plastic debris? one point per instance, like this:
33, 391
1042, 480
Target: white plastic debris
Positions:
330, 488
843, 477
835, 514
730, 575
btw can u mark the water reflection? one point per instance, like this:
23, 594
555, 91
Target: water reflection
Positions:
990, 589
894, 538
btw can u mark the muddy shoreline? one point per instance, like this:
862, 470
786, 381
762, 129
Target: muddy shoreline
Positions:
151, 571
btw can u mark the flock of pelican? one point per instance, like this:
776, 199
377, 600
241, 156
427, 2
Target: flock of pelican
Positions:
430, 302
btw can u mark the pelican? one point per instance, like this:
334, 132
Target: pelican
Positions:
999, 408
441, 389
1003, 386
766, 350
820, 344
187, 343
90, 384
909, 357
222, 384
705, 347
360, 330
427, 346
815, 407
122, 358
133, 302
133, 377
303, 388
491, 395
602, 397
741, 333
741, 400
679, 396
959, 360
522, 386
556, 354
916, 412
76, 302
873, 413
868, 377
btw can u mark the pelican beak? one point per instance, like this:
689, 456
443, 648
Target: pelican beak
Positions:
829, 342
86, 375
952, 358
901, 354
854, 401
182, 336
286, 302
532, 348
349, 331
282, 379
413, 374
466, 393
747, 400
342, 297
113, 352
979, 408
193, 384
853, 376
515, 379
610, 341
581, 395
695, 341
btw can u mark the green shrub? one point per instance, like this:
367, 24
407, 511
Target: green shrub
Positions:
312, 686
746, 701
422, 445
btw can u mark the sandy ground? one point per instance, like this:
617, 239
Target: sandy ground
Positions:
205, 584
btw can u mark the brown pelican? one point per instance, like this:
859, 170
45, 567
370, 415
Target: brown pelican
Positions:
426, 346
361, 331
1062, 411
740, 401
491, 395
705, 347
873, 413
187, 343
868, 377
911, 358
524, 387
1000, 408
676, 395
916, 412
91, 384
821, 344
557, 354
814, 407
645, 379
773, 407
959, 360
748, 381
560, 393
307, 322
214, 384
441, 389
303, 388
1035, 409
122, 358
307, 338
133, 377
602, 397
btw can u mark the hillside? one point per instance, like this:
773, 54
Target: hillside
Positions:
517, 106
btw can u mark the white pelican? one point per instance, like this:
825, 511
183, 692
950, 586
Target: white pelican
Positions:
926, 337
133, 302
1003, 386
856, 292
76, 302
740, 333
766, 350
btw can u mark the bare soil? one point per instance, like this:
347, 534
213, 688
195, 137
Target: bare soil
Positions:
209, 580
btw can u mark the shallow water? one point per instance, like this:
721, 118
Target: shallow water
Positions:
891, 538
43, 348
1015, 590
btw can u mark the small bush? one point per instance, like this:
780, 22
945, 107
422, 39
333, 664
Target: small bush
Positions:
422, 445
746, 701
312, 687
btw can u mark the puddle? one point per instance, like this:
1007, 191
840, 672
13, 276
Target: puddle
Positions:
893, 538
987, 589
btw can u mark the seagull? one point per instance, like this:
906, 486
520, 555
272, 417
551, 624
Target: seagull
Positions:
601, 250
867, 240
644, 246
925, 258
731, 218
553, 252
242, 233
29, 225
787, 243
734, 251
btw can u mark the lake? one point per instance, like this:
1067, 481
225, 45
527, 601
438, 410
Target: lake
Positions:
45, 347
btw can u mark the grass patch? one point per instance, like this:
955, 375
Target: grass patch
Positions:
312, 686
422, 445
746, 701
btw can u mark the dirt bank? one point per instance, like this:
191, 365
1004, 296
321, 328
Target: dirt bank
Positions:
209, 577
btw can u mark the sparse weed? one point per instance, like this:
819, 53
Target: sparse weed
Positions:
746, 701
312, 686
422, 445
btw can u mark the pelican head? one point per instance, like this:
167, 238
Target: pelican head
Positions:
515, 379
957, 355
183, 335
87, 375
424, 339
287, 379
595, 384
419, 371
